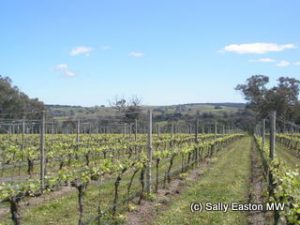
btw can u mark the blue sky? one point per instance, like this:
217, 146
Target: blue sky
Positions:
164, 51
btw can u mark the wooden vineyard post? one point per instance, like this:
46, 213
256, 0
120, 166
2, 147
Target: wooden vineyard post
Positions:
23, 133
196, 139
13, 127
272, 155
125, 130
272, 134
78, 132
18, 128
263, 133
52, 127
216, 128
135, 129
149, 155
158, 130
271, 152
42, 152
77, 140
196, 130
130, 125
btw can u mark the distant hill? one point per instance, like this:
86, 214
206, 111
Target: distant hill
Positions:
190, 109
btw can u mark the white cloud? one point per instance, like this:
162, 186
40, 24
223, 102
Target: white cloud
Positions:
80, 50
283, 63
64, 69
263, 60
297, 63
257, 48
136, 54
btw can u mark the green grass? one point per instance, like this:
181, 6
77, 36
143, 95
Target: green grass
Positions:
63, 210
227, 181
287, 156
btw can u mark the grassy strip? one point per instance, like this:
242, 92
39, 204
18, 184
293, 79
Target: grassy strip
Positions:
226, 182
63, 210
286, 155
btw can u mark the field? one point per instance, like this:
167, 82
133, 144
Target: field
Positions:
108, 179
109, 165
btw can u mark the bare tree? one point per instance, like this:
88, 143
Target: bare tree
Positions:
130, 109
118, 103
133, 109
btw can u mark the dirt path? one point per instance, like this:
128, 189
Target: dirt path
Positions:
257, 188
236, 176
148, 209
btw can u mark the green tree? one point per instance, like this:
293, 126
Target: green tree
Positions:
16, 104
283, 98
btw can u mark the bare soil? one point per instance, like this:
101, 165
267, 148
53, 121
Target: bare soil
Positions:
147, 210
257, 189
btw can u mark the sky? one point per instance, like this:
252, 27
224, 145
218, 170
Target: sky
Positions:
87, 52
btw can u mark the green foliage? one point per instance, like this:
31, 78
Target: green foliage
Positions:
14, 103
282, 98
125, 156
12, 190
287, 186
287, 190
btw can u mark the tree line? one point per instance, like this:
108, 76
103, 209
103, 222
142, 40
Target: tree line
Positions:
15, 104
283, 98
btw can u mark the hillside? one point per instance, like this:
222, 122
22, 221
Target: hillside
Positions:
164, 112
